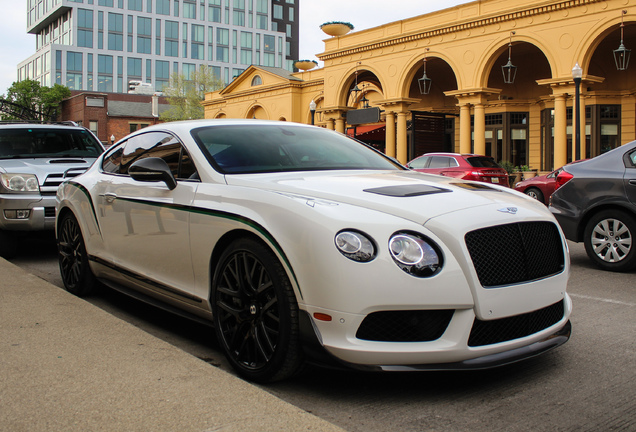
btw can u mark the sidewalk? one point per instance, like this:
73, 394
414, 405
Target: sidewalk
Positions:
67, 365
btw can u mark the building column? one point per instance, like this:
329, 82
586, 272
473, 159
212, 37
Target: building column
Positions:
402, 141
389, 148
330, 124
340, 125
560, 131
480, 129
464, 128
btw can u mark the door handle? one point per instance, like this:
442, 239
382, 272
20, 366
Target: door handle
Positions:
110, 197
632, 182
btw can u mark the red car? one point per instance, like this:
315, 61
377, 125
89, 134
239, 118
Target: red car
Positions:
463, 166
540, 187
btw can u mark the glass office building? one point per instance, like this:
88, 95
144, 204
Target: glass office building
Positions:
102, 45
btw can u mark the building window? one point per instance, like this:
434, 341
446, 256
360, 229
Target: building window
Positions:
85, 28
214, 11
269, 50
136, 126
108, 3
189, 9
135, 5
134, 68
144, 35
162, 74
222, 45
163, 7
257, 80
246, 48
104, 73
172, 39
115, 32
92, 126
198, 35
278, 12
74, 70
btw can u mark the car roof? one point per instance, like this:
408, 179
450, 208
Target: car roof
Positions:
20, 125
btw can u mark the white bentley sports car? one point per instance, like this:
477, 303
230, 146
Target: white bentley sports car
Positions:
300, 244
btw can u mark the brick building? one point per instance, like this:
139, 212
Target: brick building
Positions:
113, 114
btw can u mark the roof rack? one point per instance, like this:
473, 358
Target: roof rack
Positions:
64, 122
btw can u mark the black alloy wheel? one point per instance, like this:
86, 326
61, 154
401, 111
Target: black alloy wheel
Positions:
73, 259
256, 313
609, 240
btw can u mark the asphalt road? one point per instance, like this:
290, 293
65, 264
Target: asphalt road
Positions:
588, 384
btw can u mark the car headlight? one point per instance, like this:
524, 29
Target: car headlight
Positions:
415, 254
20, 182
355, 246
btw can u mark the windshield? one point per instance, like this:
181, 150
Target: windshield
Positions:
241, 149
47, 143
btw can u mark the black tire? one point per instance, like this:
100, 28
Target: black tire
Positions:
535, 193
609, 240
256, 313
74, 267
8, 245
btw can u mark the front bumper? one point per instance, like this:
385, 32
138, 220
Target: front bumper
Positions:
41, 212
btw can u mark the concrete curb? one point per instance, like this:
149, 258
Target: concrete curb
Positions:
70, 366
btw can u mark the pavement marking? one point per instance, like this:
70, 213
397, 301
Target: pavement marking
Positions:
602, 299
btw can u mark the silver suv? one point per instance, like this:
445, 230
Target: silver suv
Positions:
34, 160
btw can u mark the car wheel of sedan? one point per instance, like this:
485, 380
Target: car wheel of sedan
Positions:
609, 240
74, 267
8, 245
256, 313
535, 193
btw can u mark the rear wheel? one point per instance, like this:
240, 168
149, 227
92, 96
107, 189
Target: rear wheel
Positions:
73, 259
8, 245
256, 313
609, 240
535, 193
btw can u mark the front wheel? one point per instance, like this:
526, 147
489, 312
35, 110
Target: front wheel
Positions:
74, 267
609, 240
256, 313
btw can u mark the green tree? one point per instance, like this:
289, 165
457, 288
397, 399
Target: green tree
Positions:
39, 103
186, 93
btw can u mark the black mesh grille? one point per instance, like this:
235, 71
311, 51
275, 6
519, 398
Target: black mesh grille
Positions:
405, 326
505, 329
49, 211
514, 253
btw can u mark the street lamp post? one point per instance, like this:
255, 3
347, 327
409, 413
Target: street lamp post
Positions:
112, 139
312, 110
577, 74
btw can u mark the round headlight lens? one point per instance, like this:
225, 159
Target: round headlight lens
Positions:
20, 182
355, 246
415, 254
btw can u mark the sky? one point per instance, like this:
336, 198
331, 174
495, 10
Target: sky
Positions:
16, 45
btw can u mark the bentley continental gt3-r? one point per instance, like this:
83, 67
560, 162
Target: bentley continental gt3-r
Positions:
300, 244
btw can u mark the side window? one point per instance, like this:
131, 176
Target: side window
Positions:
112, 161
632, 158
452, 162
161, 145
439, 162
419, 162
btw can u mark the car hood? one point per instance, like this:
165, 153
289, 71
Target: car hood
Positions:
407, 194
43, 167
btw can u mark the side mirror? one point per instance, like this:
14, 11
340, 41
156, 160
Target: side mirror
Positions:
152, 170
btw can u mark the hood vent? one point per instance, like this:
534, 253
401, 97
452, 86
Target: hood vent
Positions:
407, 190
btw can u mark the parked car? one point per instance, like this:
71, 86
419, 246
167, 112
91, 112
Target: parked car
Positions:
595, 203
463, 166
34, 160
302, 245
539, 187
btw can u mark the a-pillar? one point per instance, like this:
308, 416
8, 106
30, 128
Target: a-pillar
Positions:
390, 149
560, 131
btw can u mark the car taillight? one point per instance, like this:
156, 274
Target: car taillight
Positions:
562, 179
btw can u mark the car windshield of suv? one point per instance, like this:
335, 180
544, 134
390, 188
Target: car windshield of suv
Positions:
482, 162
23, 142
241, 149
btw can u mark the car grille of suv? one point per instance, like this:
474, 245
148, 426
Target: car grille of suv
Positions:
505, 329
405, 326
50, 185
515, 253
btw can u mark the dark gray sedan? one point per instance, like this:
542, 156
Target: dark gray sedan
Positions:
595, 203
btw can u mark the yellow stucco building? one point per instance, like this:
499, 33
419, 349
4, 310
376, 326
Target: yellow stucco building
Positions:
470, 107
